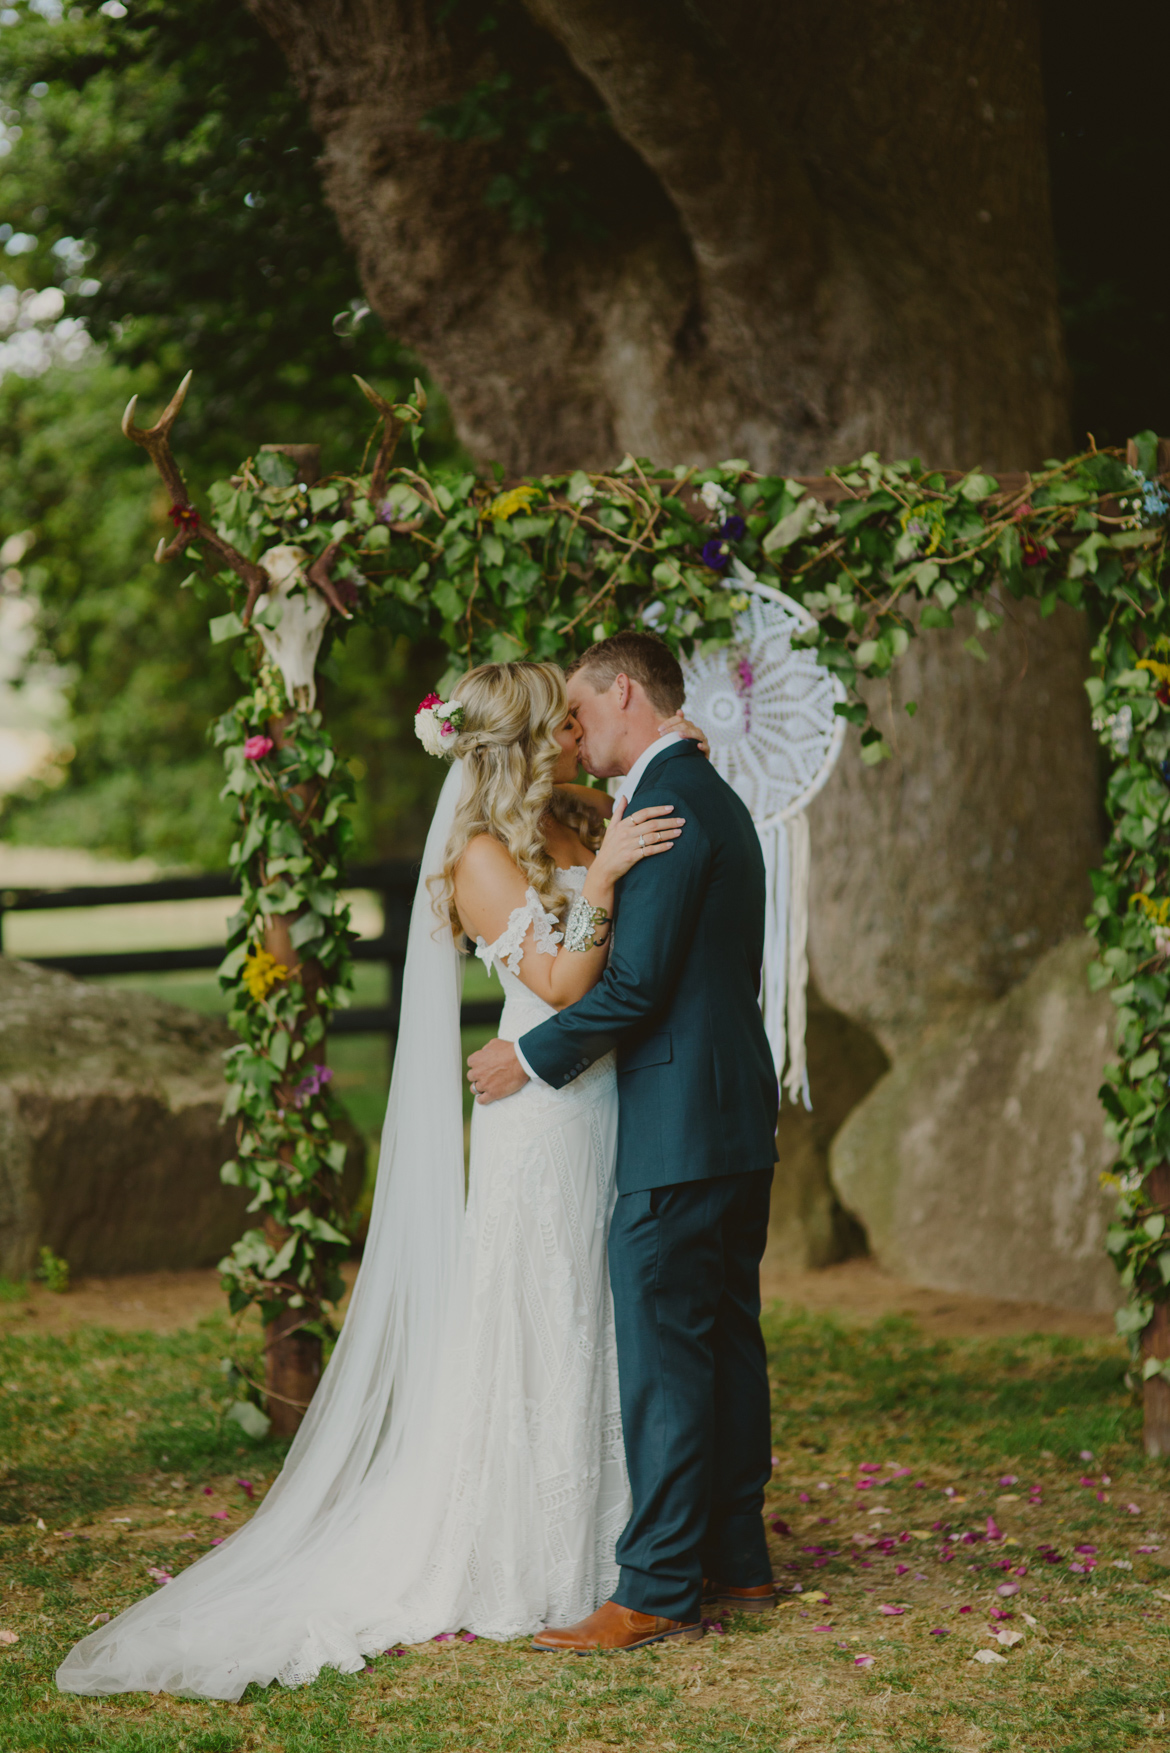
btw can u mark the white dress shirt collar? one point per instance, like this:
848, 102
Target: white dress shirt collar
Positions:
630, 783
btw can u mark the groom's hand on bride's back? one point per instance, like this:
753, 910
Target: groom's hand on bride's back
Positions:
495, 1072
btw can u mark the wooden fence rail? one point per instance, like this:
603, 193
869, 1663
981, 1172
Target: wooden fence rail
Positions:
393, 881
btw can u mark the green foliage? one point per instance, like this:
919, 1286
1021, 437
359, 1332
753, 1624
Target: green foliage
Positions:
162, 177
53, 1272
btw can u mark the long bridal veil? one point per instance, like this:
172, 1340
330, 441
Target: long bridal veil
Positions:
304, 1583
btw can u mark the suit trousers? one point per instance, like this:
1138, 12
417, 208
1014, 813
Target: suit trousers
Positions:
684, 1265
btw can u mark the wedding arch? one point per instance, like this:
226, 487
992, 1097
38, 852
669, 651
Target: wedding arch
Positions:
865, 558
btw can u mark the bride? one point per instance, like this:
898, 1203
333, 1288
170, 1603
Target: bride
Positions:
461, 1465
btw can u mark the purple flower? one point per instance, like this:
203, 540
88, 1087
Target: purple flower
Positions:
734, 529
746, 675
715, 555
312, 1083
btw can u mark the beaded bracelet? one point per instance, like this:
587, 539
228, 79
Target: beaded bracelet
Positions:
587, 927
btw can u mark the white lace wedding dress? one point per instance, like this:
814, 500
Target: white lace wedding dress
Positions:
461, 1466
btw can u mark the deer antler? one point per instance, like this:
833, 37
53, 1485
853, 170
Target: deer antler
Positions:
396, 416
320, 573
156, 442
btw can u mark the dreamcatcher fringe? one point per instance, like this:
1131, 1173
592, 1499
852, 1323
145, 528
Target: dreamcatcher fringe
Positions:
784, 990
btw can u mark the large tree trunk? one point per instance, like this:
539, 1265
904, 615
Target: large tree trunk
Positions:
827, 229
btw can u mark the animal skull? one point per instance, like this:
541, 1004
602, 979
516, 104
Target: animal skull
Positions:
294, 642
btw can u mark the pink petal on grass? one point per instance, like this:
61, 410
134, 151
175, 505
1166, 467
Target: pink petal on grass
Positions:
1008, 1479
805, 1498
1086, 1482
994, 1531
1148, 1549
966, 1609
863, 1661
396, 1651
468, 1636
1086, 1454
890, 1611
220, 1515
443, 1637
870, 1467
940, 1631
1006, 1589
901, 1569
9, 1637
218, 1541
715, 1625
207, 1491
1086, 1551
775, 1460
820, 1628
1132, 1509
245, 1486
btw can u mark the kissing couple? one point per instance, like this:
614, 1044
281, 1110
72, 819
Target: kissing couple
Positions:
548, 1412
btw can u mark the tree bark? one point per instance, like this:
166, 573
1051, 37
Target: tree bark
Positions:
828, 231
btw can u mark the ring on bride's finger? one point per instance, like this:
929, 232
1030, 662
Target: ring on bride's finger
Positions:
641, 843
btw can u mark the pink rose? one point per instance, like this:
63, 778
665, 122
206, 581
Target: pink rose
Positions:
255, 748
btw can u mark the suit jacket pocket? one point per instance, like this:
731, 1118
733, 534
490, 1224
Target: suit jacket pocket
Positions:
656, 1049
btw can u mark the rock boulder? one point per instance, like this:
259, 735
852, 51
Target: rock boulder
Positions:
110, 1138
974, 1163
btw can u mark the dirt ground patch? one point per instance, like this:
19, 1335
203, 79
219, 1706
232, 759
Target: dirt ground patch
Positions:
856, 1290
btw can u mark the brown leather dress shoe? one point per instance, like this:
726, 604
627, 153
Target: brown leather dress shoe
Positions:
731, 1600
614, 1628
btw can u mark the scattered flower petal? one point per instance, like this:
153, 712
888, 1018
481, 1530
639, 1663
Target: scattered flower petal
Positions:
901, 1569
1082, 1550
820, 1628
207, 1491
1087, 1482
870, 1467
443, 1637
218, 1541
863, 1661
994, 1531
1086, 1454
469, 1637
220, 1515
966, 1609
1006, 1589
987, 1657
100, 1619
1009, 1479
1008, 1638
1132, 1509
890, 1611
715, 1625
939, 1631
10, 1637
805, 1498
1149, 1549
245, 1486
1122, 1564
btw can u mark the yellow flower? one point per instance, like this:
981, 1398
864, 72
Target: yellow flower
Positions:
1161, 671
262, 971
1156, 911
506, 505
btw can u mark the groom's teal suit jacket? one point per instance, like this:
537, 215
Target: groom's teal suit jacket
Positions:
679, 1000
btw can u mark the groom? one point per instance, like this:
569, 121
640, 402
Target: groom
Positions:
696, 1149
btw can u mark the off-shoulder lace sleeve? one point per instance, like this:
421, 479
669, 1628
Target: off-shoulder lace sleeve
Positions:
508, 949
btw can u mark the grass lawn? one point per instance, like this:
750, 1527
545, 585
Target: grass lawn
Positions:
890, 1445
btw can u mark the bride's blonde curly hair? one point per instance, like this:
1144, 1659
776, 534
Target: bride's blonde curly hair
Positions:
511, 714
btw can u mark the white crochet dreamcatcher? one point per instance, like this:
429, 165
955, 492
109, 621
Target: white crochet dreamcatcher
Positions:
766, 706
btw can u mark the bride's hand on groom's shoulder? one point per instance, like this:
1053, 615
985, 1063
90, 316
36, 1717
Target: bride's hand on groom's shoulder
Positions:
495, 1072
683, 727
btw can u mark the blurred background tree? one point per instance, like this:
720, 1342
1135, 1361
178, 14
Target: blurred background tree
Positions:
160, 197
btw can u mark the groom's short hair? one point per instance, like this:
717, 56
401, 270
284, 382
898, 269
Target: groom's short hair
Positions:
644, 658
